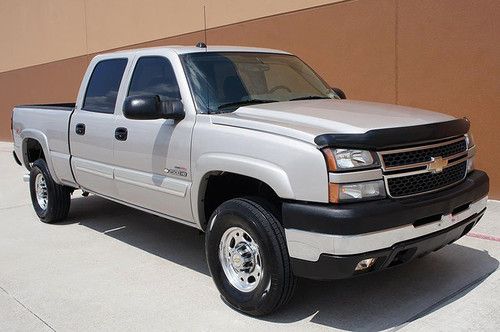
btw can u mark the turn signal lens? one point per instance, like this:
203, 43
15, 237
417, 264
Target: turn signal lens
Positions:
333, 192
330, 159
348, 192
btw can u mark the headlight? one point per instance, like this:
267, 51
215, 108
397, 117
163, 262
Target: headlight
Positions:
345, 159
346, 192
469, 140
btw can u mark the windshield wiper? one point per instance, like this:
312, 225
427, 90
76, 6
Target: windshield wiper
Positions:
245, 102
310, 97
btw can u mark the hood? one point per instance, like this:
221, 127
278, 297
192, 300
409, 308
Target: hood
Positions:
304, 120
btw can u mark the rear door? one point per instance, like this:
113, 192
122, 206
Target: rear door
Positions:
92, 127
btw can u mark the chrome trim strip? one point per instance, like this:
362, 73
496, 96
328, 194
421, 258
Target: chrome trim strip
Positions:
401, 175
424, 163
423, 192
387, 177
421, 147
471, 152
368, 175
309, 246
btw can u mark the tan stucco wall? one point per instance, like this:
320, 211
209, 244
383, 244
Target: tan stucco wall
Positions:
37, 31
34, 32
438, 55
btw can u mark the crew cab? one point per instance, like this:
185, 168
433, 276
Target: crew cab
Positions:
285, 176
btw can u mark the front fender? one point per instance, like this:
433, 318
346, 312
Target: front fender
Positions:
269, 173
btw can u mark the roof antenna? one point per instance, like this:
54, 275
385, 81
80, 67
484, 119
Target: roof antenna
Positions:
204, 43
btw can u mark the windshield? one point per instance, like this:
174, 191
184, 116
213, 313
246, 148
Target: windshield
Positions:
222, 82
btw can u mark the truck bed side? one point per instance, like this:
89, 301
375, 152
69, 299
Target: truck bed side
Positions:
47, 125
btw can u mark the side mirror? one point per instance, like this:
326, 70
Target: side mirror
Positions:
340, 93
173, 109
150, 107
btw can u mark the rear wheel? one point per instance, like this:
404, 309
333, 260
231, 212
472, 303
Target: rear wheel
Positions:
248, 258
51, 201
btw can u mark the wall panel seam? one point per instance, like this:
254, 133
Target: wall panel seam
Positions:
85, 25
396, 51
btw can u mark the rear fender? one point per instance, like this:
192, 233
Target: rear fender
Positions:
41, 138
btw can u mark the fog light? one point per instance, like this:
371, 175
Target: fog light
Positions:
365, 264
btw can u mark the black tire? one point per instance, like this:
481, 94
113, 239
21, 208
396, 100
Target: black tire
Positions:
58, 196
278, 282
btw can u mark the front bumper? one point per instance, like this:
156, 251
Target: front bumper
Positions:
340, 267
328, 241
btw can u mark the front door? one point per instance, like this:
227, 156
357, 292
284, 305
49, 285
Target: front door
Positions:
152, 157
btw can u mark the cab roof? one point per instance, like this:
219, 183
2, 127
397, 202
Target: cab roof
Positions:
180, 49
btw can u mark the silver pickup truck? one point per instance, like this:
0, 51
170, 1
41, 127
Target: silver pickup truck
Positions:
285, 176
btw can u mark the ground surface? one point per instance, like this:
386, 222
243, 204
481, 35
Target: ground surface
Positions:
110, 267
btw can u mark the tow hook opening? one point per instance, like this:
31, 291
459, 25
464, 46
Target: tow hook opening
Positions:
461, 208
427, 220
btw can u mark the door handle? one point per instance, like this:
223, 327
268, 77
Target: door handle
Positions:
80, 129
121, 133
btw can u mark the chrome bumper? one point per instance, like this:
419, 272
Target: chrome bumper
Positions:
309, 246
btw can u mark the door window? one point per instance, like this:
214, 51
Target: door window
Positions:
154, 75
103, 86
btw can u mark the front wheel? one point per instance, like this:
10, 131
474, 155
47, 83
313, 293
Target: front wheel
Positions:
248, 258
51, 201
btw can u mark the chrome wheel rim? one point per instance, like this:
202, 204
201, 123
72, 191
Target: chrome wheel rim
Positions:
42, 193
240, 259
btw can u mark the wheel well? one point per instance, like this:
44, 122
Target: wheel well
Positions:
32, 150
222, 186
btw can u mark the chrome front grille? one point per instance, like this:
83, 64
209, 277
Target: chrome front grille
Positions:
423, 155
402, 186
424, 169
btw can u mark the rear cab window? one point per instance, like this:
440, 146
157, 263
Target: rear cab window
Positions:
103, 86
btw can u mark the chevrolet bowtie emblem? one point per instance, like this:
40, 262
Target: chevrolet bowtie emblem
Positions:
437, 164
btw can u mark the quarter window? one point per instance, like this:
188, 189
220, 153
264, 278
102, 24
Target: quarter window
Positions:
103, 86
154, 75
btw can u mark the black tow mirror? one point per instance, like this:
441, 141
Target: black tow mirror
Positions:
150, 107
339, 93
173, 109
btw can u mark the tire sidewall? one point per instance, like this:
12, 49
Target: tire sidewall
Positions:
40, 167
267, 293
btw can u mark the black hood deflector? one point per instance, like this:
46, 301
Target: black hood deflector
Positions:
388, 138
